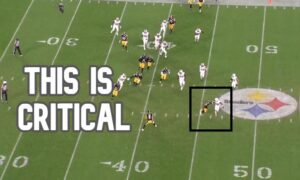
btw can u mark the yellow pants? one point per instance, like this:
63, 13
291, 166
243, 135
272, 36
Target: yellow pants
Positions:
142, 65
137, 80
171, 26
163, 76
115, 93
124, 43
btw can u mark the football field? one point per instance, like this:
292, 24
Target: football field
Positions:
259, 44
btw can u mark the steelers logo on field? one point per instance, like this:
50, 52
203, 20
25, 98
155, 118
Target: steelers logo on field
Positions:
259, 104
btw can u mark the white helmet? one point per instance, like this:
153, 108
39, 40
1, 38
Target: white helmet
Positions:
145, 30
216, 99
181, 71
117, 18
233, 74
165, 21
4, 82
202, 64
123, 74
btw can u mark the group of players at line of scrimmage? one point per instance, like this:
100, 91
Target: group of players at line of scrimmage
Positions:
147, 61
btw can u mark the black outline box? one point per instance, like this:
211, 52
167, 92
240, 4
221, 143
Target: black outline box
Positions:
190, 108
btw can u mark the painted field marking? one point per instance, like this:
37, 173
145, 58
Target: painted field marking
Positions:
37, 97
202, 98
132, 113
145, 107
80, 133
258, 85
16, 31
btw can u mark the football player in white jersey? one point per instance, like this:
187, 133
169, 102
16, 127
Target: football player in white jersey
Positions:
163, 28
234, 81
145, 37
218, 104
121, 80
157, 41
163, 48
181, 78
198, 33
116, 26
202, 70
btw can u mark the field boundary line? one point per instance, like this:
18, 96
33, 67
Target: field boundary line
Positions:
16, 31
38, 96
146, 104
258, 85
203, 93
92, 99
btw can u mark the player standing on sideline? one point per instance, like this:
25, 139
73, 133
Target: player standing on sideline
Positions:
172, 22
124, 41
149, 120
61, 7
163, 48
198, 33
4, 89
202, 70
157, 41
164, 74
181, 78
163, 28
200, 4
145, 37
191, 2
218, 104
234, 81
17, 47
116, 26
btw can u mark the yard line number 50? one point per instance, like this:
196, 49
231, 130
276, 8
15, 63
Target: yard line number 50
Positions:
270, 49
241, 171
18, 162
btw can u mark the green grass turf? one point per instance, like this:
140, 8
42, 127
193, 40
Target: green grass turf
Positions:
167, 148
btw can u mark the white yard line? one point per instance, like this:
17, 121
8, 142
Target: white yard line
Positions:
38, 96
145, 107
258, 85
92, 99
202, 98
16, 31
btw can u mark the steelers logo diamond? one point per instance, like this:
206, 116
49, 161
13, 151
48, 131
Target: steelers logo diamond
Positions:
259, 104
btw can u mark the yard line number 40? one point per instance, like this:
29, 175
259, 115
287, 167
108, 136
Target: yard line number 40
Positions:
270, 49
241, 171
18, 162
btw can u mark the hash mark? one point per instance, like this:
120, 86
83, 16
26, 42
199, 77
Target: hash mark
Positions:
292, 89
162, 4
23, 79
132, 113
166, 114
177, 115
1, 77
87, 81
9, 108
12, 78
172, 85
291, 120
236, 6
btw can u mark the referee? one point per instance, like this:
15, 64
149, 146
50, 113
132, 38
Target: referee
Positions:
17, 47
4, 97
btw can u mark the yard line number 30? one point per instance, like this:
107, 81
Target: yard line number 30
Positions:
241, 171
18, 162
270, 49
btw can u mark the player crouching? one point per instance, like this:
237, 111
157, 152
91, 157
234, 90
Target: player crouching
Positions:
137, 78
149, 120
204, 109
164, 74
116, 90
124, 41
149, 61
142, 63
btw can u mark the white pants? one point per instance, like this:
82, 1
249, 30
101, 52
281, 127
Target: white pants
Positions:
115, 28
181, 82
121, 84
197, 37
163, 31
202, 74
145, 42
156, 44
163, 51
217, 108
234, 84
